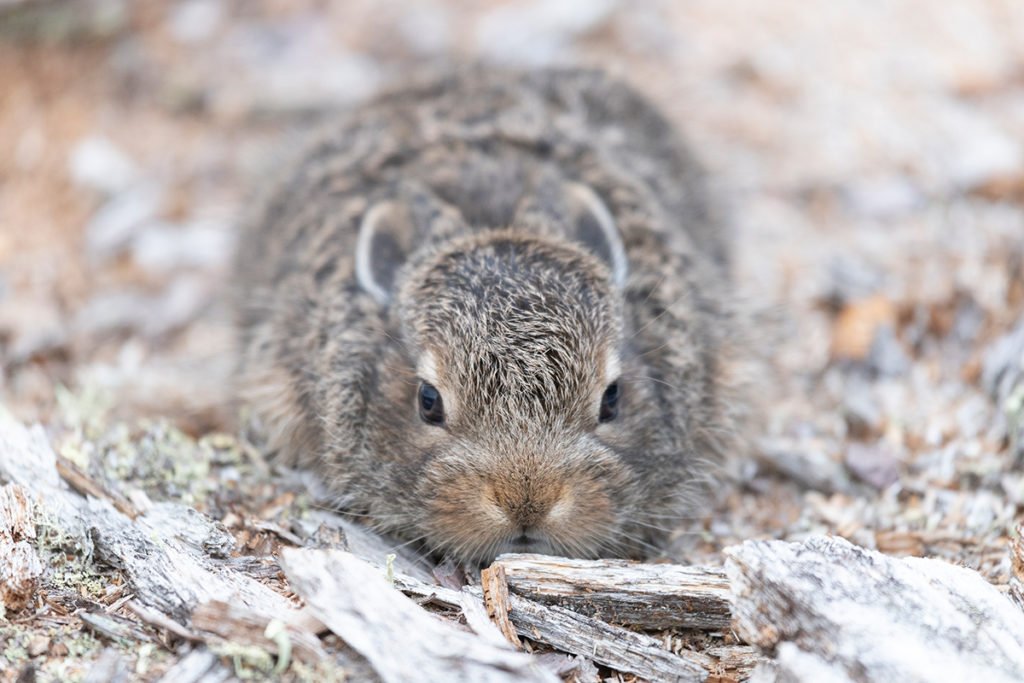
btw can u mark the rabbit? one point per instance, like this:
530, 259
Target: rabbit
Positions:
492, 311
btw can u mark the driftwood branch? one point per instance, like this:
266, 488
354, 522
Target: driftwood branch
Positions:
648, 596
833, 611
400, 640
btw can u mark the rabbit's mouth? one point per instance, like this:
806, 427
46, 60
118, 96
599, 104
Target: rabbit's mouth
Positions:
527, 542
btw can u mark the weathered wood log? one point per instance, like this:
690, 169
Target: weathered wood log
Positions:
163, 553
167, 573
400, 640
835, 611
647, 596
578, 634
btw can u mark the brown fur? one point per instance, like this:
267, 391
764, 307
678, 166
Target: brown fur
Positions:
490, 269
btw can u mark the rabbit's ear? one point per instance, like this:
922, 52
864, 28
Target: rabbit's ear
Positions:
593, 226
386, 237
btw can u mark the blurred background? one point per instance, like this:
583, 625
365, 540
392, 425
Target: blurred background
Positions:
869, 154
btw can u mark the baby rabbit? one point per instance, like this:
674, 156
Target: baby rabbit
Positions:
491, 310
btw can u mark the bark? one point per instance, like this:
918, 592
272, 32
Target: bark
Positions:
834, 611
612, 646
495, 590
578, 634
647, 596
172, 556
20, 566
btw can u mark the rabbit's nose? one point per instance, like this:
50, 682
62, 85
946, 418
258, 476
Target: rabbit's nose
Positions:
528, 505
528, 513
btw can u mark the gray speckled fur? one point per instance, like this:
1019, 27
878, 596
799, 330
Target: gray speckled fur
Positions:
518, 320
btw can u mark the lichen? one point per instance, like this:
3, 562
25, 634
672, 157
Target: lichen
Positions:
248, 661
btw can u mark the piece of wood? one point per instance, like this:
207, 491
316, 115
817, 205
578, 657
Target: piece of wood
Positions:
161, 620
27, 459
495, 588
733, 662
833, 611
173, 557
612, 646
87, 486
477, 619
113, 627
563, 629
400, 640
163, 553
168, 574
17, 514
239, 625
647, 596
20, 566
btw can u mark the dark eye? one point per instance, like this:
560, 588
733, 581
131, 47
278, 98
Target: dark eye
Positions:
431, 405
609, 403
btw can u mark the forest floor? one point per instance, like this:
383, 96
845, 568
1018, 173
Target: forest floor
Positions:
869, 155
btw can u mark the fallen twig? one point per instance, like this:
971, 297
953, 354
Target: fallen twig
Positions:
495, 590
649, 596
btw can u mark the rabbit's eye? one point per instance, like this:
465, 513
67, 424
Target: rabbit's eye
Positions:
609, 403
431, 405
